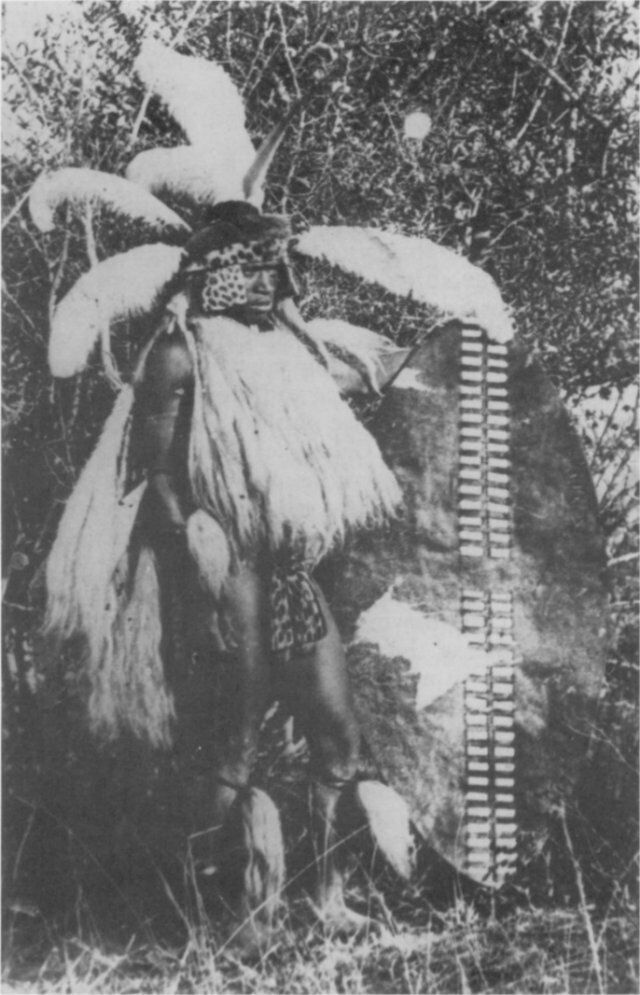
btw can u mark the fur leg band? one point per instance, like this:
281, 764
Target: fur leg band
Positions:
262, 840
387, 817
372, 805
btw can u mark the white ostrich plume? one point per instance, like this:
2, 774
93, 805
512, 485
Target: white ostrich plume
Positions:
200, 96
125, 285
83, 187
205, 175
414, 267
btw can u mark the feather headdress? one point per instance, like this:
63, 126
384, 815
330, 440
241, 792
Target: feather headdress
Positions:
219, 165
414, 267
128, 284
200, 96
89, 187
203, 175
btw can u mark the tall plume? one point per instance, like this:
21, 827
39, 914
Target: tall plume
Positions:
127, 284
414, 267
255, 177
199, 95
82, 187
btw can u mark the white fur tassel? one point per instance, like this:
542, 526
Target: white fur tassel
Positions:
387, 816
414, 267
205, 175
200, 96
262, 839
374, 353
92, 537
210, 551
124, 285
81, 187
128, 688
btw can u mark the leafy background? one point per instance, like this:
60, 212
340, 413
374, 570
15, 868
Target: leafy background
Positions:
529, 169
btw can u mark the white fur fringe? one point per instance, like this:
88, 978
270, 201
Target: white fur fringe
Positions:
128, 688
275, 456
275, 453
92, 538
209, 550
92, 592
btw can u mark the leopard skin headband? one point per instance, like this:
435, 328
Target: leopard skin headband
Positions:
219, 281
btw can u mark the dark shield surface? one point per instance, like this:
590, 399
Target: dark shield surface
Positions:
410, 708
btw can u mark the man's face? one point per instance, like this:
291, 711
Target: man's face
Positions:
261, 283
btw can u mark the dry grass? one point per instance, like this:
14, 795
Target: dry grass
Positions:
531, 950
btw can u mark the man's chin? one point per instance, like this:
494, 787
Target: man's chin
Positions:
252, 314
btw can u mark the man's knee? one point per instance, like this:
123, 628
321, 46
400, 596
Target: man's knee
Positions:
334, 738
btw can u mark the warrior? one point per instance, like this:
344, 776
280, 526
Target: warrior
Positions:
242, 433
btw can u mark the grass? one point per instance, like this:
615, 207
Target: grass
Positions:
530, 951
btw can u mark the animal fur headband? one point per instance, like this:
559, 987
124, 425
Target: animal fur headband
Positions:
219, 256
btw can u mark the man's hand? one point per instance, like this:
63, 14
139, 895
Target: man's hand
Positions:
165, 506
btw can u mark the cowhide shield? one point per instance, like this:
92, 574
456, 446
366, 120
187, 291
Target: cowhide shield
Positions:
396, 597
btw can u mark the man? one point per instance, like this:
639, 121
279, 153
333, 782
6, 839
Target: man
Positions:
224, 397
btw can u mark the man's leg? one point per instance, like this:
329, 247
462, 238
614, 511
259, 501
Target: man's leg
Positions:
248, 681
226, 688
316, 689
249, 821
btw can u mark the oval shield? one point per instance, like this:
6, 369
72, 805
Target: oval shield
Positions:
481, 734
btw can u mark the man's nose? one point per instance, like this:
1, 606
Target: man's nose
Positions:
263, 280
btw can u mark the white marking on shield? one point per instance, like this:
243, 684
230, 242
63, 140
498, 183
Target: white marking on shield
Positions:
438, 654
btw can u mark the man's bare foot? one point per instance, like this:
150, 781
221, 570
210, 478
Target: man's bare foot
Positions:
338, 920
250, 941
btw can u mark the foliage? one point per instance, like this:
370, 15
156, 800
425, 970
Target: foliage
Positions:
528, 168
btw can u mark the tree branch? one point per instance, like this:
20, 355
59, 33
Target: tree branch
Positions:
287, 50
545, 85
553, 74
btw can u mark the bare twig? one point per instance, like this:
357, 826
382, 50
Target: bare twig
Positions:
35, 97
13, 300
16, 865
601, 438
623, 559
545, 85
92, 252
584, 909
576, 97
62, 262
16, 208
287, 51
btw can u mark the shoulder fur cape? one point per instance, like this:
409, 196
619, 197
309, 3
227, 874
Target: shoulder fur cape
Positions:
275, 456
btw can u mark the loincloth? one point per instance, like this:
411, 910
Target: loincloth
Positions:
296, 617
